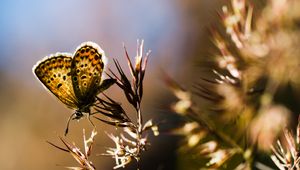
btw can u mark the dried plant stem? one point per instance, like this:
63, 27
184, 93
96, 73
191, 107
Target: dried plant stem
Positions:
139, 118
139, 127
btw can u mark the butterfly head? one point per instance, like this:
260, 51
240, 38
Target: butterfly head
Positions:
78, 115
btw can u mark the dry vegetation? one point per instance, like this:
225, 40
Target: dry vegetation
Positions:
257, 59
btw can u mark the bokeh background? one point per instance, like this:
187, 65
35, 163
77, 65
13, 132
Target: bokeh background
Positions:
176, 32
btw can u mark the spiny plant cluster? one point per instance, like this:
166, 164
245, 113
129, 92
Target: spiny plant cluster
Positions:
257, 57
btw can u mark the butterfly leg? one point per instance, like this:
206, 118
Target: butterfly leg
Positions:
89, 118
68, 122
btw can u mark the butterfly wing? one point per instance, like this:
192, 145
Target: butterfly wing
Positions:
86, 70
55, 73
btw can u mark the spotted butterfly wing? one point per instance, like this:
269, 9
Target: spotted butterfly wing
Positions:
86, 71
55, 73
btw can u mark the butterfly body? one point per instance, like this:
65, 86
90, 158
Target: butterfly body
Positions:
75, 79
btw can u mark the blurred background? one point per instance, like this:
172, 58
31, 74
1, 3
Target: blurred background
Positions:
175, 31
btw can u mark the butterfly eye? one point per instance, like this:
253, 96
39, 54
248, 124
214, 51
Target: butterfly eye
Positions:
75, 78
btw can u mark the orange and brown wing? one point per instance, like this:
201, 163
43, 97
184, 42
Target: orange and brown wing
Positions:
55, 74
87, 67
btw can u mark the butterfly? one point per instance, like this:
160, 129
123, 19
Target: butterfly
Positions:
75, 79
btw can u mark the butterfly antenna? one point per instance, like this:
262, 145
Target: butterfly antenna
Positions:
67, 128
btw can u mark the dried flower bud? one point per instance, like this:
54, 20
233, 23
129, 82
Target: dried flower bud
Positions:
219, 157
194, 139
184, 103
208, 147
